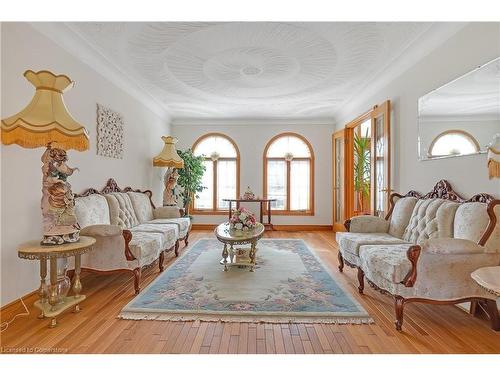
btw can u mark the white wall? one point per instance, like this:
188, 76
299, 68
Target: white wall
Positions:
474, 45
251, 140
23, 48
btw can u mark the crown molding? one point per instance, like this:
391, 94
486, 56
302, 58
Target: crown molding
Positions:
431, 39
251, 121
71, 41
481, 117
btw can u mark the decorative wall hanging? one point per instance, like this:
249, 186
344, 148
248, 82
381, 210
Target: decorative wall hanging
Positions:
109, 133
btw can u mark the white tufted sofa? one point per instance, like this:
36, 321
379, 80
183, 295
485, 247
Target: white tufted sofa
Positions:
130, 232
426, 248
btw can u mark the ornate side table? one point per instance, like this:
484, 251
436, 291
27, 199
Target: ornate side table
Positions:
52, 302
238, 257
261, 203
488, 278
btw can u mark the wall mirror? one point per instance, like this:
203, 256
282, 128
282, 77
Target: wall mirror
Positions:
461, 117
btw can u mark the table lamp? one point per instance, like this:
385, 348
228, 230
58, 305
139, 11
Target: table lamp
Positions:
168, 157
46, 122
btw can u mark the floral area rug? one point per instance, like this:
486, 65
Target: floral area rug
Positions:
290, 284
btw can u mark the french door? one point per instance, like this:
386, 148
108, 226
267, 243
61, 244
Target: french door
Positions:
361, 166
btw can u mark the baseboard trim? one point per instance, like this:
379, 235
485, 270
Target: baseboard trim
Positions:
285, 227
203, 226
299, 228
18, 301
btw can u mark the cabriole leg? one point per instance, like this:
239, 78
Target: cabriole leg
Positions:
341, 262
176, 248
399, 305
160, 260
361, 280
137, 280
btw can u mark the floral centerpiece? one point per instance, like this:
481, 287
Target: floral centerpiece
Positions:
242, 220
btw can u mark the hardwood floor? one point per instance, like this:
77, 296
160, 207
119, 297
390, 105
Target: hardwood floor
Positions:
427, 329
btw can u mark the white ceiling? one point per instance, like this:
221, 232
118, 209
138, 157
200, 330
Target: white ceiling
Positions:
251, 69
475, 95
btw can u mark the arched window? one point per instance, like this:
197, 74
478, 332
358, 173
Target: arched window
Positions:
289, 174
221, 177
453, 142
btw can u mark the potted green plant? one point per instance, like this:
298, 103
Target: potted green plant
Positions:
190, 178
362, 168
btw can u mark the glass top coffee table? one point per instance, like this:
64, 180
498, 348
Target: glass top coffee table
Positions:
241, 257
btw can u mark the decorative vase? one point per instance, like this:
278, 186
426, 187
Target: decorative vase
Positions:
63, 283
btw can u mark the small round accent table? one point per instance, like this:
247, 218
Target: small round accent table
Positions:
240, 257
48, 303
488, 278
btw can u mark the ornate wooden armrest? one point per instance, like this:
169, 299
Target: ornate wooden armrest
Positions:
127, 236
492, 224
347, 224
412, 253
181, 211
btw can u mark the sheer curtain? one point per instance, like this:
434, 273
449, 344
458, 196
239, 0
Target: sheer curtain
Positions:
226, 182
276, 183
299, 184
205, 200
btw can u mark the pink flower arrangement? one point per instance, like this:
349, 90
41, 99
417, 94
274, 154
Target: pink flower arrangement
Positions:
242, 219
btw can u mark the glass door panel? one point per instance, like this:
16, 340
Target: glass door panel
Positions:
381, 160
338, 143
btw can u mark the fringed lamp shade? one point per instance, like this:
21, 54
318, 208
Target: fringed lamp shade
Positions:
168, 157
46, 118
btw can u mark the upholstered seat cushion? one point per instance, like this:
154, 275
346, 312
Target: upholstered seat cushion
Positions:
168, 233
389, 262
146, 246
182, 224
351, 242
